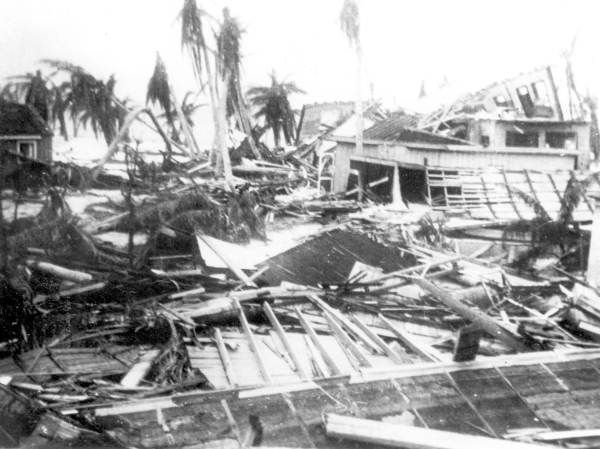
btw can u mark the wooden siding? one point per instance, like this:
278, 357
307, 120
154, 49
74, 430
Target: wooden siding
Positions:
449, 156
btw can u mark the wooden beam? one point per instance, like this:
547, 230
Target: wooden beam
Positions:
338, 317
411, 437
253, 343
418, 348
346, 341
224, 355
333, 366
284, 339
378, 340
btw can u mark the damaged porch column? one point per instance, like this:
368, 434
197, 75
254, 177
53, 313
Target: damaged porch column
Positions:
396, 190
593, 267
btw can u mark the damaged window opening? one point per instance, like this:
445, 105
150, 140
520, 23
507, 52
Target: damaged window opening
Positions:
375, 175
561, 140
528, 139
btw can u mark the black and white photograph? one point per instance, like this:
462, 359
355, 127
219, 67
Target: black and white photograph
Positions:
296, 224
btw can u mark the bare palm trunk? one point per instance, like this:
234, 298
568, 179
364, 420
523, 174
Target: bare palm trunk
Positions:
3, 235
358, 107
212, 90
244, 120
224, 162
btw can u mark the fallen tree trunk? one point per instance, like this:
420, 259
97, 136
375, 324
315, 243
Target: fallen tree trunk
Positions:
477, 317
60, 272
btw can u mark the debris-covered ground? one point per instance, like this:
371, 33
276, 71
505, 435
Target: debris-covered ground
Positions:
338, 276
124, 307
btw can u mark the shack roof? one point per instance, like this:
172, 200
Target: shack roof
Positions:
21, 120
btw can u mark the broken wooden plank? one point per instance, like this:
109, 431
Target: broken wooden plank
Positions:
252, 341
331, 364
225, 359
226, 260
139, 370
346, 341
378, 340
419, 348
402, 436
284, 339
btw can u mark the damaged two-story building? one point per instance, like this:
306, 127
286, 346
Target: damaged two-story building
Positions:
535, 121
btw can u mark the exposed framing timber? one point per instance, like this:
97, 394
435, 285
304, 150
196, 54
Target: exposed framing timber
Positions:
252, 341
284, 339
331, 363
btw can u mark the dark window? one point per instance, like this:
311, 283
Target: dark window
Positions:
526, 139
526, 101
561, 140
484, 141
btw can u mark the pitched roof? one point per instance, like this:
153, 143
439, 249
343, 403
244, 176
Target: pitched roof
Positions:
402, 128
20, 119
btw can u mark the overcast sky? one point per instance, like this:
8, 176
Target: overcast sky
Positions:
468, 42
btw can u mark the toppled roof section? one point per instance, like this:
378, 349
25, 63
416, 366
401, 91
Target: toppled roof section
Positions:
20, 120
337, 117
547, 93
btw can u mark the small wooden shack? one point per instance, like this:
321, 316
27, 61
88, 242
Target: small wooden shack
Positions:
25, 143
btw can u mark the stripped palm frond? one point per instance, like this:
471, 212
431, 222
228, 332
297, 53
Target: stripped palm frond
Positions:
349, 21
159, 91
192, 34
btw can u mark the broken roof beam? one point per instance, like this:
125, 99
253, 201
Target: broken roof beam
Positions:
427, 352
331, 363
378, 340
252, 341
402, 436
285, 340
346, 341
477, 317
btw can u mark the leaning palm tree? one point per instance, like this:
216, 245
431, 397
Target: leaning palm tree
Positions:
350, 25
274, 106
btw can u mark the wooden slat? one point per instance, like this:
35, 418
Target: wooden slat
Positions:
332, 365
284, 339
252, 341
224, 355
346, 341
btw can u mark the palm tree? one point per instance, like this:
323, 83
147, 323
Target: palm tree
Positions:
221, 72
159, 92
90, 101
274, 106
350, 25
